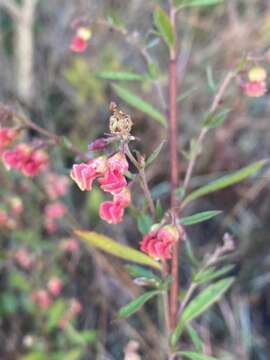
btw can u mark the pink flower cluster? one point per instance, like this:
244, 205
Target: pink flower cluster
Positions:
159, 242
109, 173
26, 159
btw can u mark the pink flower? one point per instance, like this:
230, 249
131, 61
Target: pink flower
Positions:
53, 212
23, 259
123, 198
113, 181
16, 205
7, 136
42, 299
5, 221
17, 157
30, 162
70, 245
254, 88
79, 42
55, 286
111, 211
118, 162
84, 174
75, 307
37, 162
159, 243
56, 185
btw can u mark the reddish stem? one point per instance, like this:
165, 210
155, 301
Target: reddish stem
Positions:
174, 294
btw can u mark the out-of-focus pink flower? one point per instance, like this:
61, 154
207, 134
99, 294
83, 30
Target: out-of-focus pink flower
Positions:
53, 212
118, 162
16, 205
159, 243
79, 42
7, 136
42, 299
84, 174
25, 159
37, 162
75, 307
56, 185
70, 245
254, 88
111, 211
98, 144
16, 157
55, 286
113, 181
23, 258
6, 222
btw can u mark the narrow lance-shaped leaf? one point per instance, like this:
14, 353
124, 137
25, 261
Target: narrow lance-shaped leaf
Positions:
200, 217
136, 304
140, 104
193, 3
225, 181
211, 274
163, 24
120, 75
200, 304
112, 247
195, 356
155, 153
194, 336
214, 120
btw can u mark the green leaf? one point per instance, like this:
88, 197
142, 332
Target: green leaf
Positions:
192, 3
164, 27
200, 304
140, 104
187, 93
210, 78
211, 273
112, 247
196, 340
140, 272
214, 120
55, 314
159, 211
155, 153
144, 223
136, 304
195, 356
200, 217
225, 181
120, 75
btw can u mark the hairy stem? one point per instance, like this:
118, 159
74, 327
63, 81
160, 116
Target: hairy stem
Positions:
174, 168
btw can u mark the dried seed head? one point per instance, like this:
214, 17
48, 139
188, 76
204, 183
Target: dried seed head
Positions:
120, 123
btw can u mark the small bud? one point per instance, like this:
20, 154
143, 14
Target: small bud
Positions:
98, 144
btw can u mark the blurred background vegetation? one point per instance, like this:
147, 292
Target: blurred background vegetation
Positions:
64, 92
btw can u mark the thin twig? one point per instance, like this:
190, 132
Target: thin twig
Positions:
203, 132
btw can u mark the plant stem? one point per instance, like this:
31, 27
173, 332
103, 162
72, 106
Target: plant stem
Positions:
174, 168
143, 181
